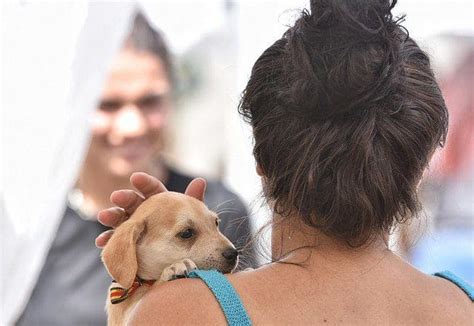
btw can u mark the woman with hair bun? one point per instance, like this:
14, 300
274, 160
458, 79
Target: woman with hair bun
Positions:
346, 114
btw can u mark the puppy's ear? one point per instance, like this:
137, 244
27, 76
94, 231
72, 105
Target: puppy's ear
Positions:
196, 188
120, 254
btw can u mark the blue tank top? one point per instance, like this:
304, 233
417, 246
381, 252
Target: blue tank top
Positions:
225, 294
235, 313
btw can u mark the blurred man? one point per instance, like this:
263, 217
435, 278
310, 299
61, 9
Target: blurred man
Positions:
127, 136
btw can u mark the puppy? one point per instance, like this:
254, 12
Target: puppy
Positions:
169, 235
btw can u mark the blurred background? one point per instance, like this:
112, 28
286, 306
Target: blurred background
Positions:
55, 59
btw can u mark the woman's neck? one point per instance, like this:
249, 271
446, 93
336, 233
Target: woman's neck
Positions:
295, 242
97, 185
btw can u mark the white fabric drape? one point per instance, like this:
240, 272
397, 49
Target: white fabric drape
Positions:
55, 57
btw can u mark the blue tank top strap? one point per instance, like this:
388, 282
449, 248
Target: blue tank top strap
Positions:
225, 294
463, 285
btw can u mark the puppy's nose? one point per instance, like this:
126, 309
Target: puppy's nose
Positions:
230, 254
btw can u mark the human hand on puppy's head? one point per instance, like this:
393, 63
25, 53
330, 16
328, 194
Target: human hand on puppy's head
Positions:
127, 201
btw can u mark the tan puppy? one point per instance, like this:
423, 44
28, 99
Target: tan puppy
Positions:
169, 235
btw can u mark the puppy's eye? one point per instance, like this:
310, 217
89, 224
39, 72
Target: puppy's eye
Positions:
186, 234
217, 221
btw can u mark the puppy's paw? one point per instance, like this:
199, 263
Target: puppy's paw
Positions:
178, 270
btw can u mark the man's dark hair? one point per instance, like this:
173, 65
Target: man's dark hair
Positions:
143, 37
346, 114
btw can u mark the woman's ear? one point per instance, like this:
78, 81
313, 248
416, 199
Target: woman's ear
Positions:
259, 170
120, 253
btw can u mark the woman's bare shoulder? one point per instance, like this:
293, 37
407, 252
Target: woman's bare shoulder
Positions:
438, 300
456, 304
187, 301
180, 302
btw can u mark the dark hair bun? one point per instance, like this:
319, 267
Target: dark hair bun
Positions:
346, 113
344, 56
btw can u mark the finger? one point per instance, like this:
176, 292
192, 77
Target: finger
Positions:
129, 200
196, 189
147, 184
113, 216
103, 238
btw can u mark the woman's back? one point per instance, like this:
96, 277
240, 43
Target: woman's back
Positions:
325, 291
391, 292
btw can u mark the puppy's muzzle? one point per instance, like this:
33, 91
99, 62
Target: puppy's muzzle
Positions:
230, 255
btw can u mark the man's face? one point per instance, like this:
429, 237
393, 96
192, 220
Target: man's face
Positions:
131, 114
